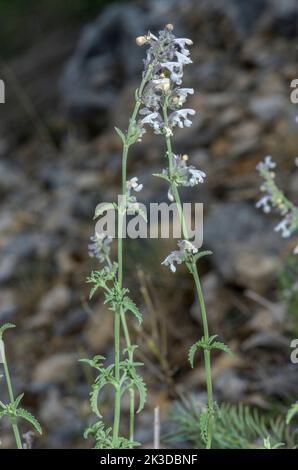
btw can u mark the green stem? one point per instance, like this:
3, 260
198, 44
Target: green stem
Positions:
132, 414
11, 398
194, 271
121, 315
117, 377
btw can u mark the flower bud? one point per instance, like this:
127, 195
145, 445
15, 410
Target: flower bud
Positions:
141, 40
169, 26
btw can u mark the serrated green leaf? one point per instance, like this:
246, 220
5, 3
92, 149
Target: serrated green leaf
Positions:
292, 412
5, 327
22, 413
128, 304
222, 347
94, 398
142, 389
192, 351
200, 254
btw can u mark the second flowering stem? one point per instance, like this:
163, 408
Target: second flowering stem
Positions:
192, 267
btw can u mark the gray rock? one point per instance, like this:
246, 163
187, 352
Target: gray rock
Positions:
268, 107
237, 231
55, 369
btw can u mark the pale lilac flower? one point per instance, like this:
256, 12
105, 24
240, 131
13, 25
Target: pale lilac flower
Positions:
284, 228
100, 246
197, 176
176, 71
134, 184
174, 257
186, 245
267, 164
183, 174
132, 204
186, 250
180, 118
276, 199
152, 119
179, 97
183, 59
182, 42
264, 204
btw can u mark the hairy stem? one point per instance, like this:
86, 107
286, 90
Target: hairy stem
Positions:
194, 271
11, 398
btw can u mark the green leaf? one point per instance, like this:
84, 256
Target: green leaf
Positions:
191, 354
96, 362
94, 397
17, 401
222, 347
200, 254
162, 176
5, 327
121, 134
2, 405
30, 418
128, 304
292, 412
141, 387
104, 207
204, 421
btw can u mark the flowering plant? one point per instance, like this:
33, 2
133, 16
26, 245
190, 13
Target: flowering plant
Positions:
162, 103
275, 199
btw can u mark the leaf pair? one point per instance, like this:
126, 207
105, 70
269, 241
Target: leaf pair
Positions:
207, 345
13, 411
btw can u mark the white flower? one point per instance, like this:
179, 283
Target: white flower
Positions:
100, 246
180, 96
153, 119
176, 70
283, 227
183, 174
183, 59
180, 118
133, 184
163, 84
181, 43
174, 257
149, 119
264, 204
197, 176
267, 164
186, 245
186, 248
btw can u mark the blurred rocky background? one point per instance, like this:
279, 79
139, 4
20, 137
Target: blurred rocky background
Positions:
70, 70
